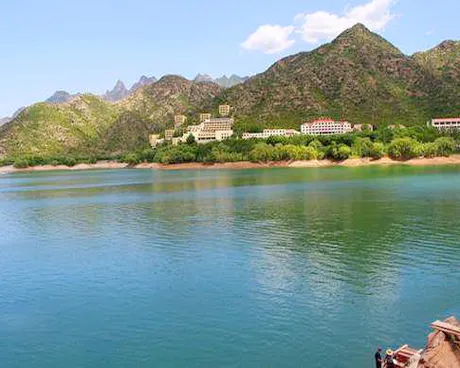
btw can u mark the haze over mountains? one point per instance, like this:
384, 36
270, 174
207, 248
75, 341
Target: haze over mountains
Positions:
359, 76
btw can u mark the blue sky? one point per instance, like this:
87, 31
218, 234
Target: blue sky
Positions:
85, 46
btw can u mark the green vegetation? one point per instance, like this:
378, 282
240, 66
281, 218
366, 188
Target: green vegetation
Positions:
402, 146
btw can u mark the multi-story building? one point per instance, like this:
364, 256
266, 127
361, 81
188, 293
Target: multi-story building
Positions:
214, 124
214, 129
446, 123
224, 110
270, 133
179, 120
169, 134
326, 127
204, 116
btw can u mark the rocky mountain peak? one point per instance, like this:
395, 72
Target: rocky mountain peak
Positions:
143, 81
118, 92
60, 97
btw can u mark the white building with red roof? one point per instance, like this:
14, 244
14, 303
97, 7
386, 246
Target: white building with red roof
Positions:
446, 123
326, 127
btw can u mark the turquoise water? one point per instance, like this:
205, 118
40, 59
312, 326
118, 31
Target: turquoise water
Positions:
254, 268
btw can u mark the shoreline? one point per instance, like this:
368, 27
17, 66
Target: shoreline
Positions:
351, 162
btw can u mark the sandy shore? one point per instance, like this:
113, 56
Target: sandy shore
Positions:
353, 162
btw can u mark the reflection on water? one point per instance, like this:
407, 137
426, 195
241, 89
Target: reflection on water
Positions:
278, 267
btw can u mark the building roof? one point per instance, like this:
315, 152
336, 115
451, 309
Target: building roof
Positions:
440, 120
326, 121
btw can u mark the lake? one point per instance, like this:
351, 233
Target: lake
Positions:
254, 268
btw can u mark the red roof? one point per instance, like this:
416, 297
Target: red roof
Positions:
325, 121
457, 120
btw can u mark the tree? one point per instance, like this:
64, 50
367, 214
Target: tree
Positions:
191, 139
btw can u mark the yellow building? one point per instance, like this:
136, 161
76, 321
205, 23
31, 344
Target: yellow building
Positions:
224, 110
153, 139
204, 116
179, 120
217, 124
169, 134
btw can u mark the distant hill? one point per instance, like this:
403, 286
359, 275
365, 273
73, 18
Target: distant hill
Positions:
143, 81
60, 97
224, 81
117, 93
4, 120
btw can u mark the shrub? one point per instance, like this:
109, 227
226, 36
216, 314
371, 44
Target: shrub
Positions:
377, 150
176, 154
339, 153
131, 159
430, 149
362, 147
445, 146
21, 163
261, 152
404, 148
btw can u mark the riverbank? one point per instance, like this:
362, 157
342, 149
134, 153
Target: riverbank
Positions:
352, 162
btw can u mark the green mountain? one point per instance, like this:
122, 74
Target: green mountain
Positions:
89, 125
359, 76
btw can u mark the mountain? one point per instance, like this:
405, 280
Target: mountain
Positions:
4, 120
90, 125
60, 97
171, 95
359, 76
143, 81
443, 63
228, 82
224, 82
53, 129
204, 78
117, 93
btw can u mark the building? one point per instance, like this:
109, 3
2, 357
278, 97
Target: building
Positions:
362, 127
397, 126
214, 129
224, 110
153, 139
214, 124
169, 134
326, 127
205, 116
446, 123
267, 133
179, 120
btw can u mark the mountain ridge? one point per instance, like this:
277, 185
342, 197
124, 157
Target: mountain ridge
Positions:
359, 76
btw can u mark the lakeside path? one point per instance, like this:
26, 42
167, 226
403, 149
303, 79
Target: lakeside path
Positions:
352, 162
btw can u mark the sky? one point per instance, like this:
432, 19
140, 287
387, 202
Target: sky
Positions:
87, 45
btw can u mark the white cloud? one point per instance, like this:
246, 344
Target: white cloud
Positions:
270, 39
321, 25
